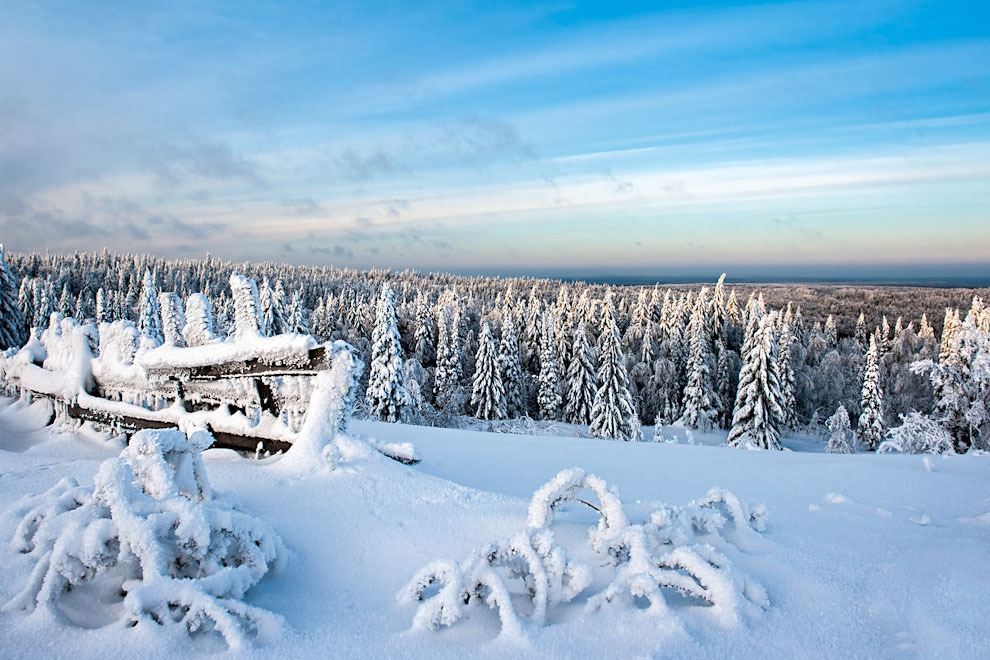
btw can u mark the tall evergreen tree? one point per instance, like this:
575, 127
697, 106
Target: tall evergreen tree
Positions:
841, 439
757, 415
426, 349
199, 328
549, 392
447, 377
25, 302
871, 426
831, 333
246, 307
11, 321
700, 401
613, 414
580, 379
510, 364
298, 316
149, 316
488, 392
173, 319
788, 399
386, 395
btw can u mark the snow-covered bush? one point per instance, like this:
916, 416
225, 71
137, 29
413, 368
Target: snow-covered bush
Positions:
673, 550
917, 434
153, 530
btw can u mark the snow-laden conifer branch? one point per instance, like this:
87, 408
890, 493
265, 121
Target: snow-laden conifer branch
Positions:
674, 550
181, 554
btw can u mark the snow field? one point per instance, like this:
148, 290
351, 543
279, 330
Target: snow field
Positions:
848, 569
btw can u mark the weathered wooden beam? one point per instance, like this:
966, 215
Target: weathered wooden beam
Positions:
315, 361
224, 440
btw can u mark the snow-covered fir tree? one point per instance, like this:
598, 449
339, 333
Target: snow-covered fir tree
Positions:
870, 429
700, 400
511, 370
862, 334
447, 377
487, 391
788, 401
199, 328
149, 321
25, 303
961, 382
580, 381
11, 321
757, 415
426, 349
841, 439
831, 333
172, 318
298, 316
613, 414
246, 306
386, 395
103, 314
548, 396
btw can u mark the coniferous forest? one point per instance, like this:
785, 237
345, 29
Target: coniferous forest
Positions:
445, 350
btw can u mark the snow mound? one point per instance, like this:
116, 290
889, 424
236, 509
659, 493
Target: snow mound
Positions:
673, 551
153, 530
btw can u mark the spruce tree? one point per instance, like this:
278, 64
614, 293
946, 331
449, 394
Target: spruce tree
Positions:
199, 328
246, 307
298, 317
548, 396
511, 370
277, 318
25, 302
173, 319
700, 401
862, 334
841, 438
447, 376
386, 395
149, 316
266, 320
426, 349
871, 426
613, 414
831, 334
11, 322
102, 308
580, 380
788, 399
757, 414
487, 391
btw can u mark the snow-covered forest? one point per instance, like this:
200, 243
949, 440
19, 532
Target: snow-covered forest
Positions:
447, 350
404, 479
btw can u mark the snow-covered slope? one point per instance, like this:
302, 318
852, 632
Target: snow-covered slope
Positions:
864, 555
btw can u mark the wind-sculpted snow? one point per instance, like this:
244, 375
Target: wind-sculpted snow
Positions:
672, 551
154, 531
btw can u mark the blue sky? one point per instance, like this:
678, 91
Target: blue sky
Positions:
809, 138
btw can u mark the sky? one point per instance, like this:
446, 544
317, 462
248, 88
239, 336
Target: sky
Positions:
810, 139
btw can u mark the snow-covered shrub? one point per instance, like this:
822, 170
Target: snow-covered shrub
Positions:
153, 530
917, 434
672, 551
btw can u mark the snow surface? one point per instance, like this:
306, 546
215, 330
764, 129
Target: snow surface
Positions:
862, 556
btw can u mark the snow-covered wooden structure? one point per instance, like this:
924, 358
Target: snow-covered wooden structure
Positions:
251, 393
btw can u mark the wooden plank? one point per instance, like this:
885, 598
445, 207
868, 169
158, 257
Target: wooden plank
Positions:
130, 423
316, 361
